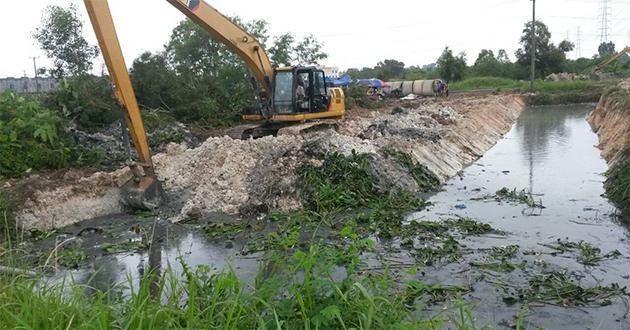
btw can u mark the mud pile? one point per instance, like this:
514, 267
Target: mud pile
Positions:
611, 121
252, 176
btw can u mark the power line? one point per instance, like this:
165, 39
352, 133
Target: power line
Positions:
578, 43
604, 16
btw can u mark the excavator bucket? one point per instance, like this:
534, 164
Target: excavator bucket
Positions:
144, 193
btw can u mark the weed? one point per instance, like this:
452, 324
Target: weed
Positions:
427, 181
433, 292
345, 183
559, 288
225, 230
131, 245
618, 183
589, 255
38, 235
521, 196
72, 257
469, 226
504, 252
429, 255
502, 266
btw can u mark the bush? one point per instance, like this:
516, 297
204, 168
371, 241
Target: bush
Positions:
31, 138
86, 100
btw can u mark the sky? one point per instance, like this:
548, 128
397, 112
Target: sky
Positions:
355, 34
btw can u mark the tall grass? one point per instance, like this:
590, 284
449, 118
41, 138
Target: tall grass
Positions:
304, 296
496, 83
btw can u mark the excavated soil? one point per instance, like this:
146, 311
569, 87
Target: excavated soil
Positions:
253, 176
612, 126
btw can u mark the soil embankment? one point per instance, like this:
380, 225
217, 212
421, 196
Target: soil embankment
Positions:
611, 121
250, 176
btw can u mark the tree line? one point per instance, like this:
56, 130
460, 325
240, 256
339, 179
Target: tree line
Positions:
550, 58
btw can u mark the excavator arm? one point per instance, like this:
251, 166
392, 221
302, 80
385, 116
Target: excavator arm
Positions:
615, 57
233, 37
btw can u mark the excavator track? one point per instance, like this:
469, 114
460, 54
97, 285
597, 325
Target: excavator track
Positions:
255, 131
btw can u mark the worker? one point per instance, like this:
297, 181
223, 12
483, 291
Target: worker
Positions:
300, 94
446, 88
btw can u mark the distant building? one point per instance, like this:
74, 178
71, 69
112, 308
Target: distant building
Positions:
330, 71
28, 85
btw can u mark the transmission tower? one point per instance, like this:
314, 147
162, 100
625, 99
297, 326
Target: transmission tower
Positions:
604, 16
578, 43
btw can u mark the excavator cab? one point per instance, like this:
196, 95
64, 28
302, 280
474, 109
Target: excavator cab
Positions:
299, 90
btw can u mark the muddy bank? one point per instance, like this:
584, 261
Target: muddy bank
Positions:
611, 121
250, 176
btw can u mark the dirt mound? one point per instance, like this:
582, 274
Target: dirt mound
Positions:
251, 176
611, 121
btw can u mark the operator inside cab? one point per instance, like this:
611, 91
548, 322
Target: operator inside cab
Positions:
301, 96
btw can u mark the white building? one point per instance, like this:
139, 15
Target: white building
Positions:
28, 85
331, 71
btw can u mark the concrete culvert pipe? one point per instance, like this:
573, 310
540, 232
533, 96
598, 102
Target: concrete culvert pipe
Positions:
424, 87
407, 88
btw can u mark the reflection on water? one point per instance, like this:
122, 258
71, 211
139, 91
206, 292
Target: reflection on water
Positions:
550, 152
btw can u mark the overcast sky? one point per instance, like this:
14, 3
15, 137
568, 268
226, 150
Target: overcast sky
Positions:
354, 33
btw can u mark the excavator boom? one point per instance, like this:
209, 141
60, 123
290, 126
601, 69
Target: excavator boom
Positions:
232, 36
615, 57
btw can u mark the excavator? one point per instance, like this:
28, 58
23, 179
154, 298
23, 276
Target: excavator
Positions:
598, 68
284, 95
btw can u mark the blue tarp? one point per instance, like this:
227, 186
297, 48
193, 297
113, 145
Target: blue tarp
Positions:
344, 81
371, 82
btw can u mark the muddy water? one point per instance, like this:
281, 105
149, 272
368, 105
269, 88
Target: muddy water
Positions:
550, 152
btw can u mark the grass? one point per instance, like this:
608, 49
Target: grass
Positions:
548, 92
523, 86
301, 294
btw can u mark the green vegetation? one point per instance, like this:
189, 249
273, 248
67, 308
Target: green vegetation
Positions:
356, 97
616, 98
31, 138
560, 289
427, 181
71, 257
521, 196
345, 183
618, 186
127, 246
284, 301
589, 255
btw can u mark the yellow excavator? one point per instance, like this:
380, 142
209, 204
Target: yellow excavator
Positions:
598, 68
284, 95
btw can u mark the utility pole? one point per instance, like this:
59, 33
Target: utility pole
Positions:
605, 17
36, 76
533, 48
578, 43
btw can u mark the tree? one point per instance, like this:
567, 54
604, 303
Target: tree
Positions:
451, 67
389, 69
281, 53
309, 51
487, 64
414, 72
60, 36
502, 56
549, 58
606, 48
566, 46
155, 83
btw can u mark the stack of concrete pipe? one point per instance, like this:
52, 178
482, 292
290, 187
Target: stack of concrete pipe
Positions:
417, 87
